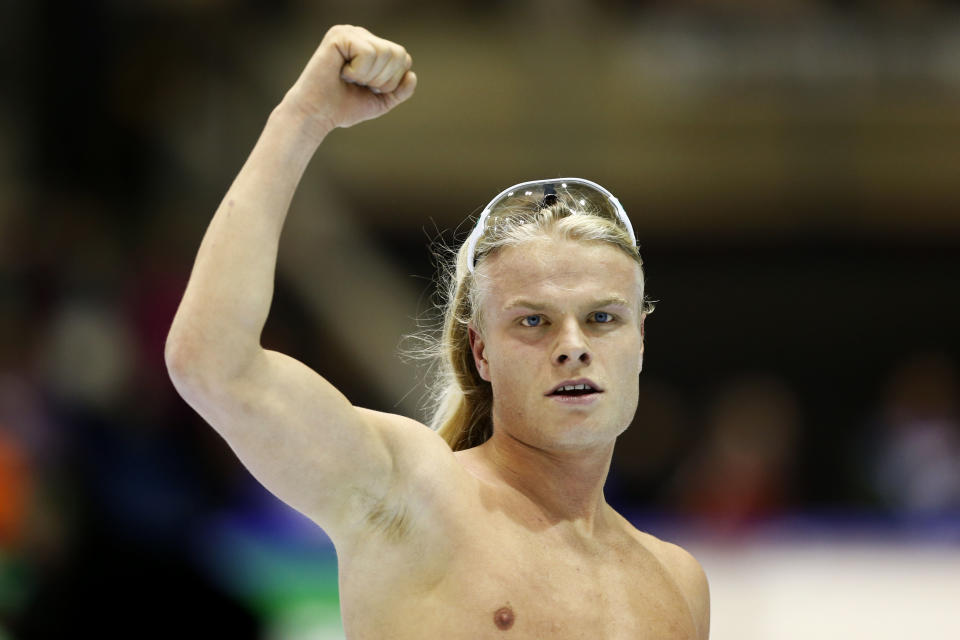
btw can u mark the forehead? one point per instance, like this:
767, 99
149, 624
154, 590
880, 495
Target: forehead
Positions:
547, 269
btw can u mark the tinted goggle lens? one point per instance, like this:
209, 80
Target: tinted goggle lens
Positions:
528, 198
531, 199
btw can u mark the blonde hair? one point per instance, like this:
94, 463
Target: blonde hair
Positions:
460, 401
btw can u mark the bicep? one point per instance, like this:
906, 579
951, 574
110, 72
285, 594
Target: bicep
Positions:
304, 441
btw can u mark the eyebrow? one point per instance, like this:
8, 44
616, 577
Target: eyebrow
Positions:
611, 301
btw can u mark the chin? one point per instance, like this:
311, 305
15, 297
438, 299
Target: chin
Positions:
585, 435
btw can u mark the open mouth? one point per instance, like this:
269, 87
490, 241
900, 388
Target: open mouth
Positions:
574, 390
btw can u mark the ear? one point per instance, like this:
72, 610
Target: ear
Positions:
477, 347
642, 319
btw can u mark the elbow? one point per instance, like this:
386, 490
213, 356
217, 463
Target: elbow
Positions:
184, 356
187, 376
190, 361
176, 356
185, 368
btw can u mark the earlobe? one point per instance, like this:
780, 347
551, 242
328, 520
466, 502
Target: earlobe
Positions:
477, 347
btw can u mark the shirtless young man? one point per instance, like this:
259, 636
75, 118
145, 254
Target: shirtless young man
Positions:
505, 534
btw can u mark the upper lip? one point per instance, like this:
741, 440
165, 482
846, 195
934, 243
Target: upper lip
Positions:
587, 381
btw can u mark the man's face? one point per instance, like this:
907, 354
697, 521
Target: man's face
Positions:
559, 311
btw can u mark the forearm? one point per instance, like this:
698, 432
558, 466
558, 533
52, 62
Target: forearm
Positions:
352, 76
218, 325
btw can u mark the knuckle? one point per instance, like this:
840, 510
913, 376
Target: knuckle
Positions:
338, 30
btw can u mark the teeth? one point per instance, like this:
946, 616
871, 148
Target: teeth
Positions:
575, 387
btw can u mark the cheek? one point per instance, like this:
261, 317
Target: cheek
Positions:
627, 352
511, 376
630, 377
631, 396
504, 371
511, 394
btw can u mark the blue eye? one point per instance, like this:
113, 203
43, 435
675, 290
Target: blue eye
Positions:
602, 317
531, 321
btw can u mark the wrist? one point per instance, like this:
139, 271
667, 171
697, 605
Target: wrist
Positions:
291, 115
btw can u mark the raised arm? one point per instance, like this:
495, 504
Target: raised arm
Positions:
295, 432
353, 76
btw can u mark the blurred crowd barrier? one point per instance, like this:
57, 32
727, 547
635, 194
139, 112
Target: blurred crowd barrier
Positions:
851, 588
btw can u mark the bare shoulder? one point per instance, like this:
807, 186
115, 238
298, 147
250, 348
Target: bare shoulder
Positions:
406, 436
688, 574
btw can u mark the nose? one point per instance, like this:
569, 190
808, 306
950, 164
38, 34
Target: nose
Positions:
571, 347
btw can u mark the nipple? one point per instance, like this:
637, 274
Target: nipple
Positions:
503, 618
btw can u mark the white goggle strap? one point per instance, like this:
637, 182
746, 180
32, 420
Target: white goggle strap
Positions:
623, 217
474, 238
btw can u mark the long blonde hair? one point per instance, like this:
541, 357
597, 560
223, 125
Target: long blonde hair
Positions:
461, 402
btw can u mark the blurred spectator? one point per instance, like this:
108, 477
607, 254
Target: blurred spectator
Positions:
13, 490
106, 478
29, 443
915, 466
743, 469
132, 489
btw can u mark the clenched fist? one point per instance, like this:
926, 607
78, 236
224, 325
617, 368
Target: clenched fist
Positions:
353, 76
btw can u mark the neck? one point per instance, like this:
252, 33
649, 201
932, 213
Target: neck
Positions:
564, 486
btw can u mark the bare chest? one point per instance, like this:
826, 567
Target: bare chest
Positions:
535, 586
504, 580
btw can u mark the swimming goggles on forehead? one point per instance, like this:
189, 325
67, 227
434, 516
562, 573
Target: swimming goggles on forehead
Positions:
540, 194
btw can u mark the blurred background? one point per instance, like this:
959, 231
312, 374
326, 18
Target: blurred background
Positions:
792, 168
